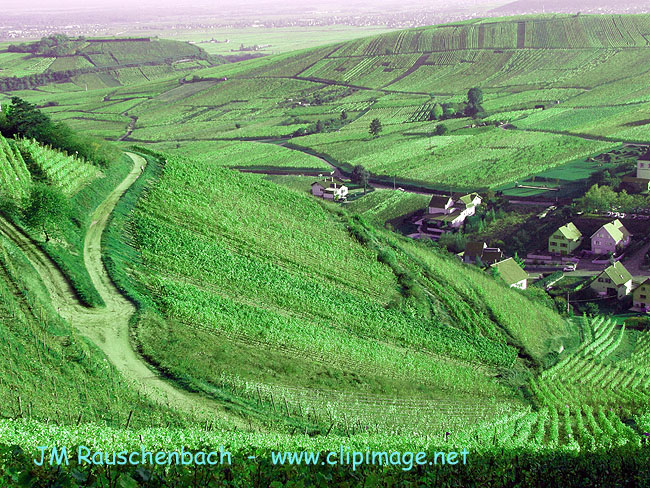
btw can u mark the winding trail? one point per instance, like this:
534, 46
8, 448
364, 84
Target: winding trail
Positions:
108, 327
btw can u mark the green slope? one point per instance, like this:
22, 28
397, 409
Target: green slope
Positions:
263, 286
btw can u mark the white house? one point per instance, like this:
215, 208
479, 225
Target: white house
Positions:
610, 237
614, 281
331, 189
440, 204
468, 203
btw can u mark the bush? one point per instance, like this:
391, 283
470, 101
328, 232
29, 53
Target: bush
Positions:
638, 323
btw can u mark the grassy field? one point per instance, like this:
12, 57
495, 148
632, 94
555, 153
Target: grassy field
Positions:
269, 41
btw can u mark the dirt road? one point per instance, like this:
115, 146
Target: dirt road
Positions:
108, 327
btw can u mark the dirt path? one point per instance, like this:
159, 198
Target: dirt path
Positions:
108, 327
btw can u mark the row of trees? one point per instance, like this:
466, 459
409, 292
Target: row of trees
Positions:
471, 108
605, 198
54, 45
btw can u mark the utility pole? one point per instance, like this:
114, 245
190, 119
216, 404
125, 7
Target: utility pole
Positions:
394, 182
567, 304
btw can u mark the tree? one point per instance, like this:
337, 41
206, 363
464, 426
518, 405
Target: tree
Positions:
441, 130
344, 115
448, 110
436, 113
518, 260
46, 209
24, 119
361, 176
475, 96
590, 308
319, 125
375, 127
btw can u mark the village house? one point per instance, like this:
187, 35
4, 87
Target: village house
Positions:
512, 273
331, 189
565, 240
474, 250
641, 182
477, 252
614, 281
611, 237
641, 297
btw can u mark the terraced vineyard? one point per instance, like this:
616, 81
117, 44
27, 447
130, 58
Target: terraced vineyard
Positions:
15, 179
590, 375
593, 398
558, 63
65, 172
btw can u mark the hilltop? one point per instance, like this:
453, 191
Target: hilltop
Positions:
97, 63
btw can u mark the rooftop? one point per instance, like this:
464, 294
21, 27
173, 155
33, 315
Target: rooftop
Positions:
440, 201
510, 271
618, 274
570, 231
616, 230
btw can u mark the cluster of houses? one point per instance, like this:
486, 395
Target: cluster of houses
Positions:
330, 189
477, 252
610, 238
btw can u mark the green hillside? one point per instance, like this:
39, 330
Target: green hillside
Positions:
252, 284
15, 178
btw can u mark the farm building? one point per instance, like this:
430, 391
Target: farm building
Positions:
473, 250
565, 240
512, 273
492, 255
611, 237
454, 220
641, 297
614, 281
331, 189
440, 204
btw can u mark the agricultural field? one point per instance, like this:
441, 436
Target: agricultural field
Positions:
485, 159
398, 78
269, 41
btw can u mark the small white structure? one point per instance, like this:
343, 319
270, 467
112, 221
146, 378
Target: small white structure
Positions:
331, 189
512, 273
448, 211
